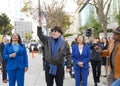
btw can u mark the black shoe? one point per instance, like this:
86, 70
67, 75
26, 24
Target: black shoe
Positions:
5, 81
95, 84
97, 80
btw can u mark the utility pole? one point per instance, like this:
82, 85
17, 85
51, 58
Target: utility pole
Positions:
39, 8
42, 16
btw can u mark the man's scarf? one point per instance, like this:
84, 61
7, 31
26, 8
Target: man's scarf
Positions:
55, 48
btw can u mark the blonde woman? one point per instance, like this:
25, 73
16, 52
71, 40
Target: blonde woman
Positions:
81, 57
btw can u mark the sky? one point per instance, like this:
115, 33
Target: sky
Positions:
3, 6
9, 7
69, 7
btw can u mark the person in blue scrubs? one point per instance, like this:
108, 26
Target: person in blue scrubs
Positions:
81, 56
17, 60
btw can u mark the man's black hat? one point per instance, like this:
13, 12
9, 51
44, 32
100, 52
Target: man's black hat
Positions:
58, 29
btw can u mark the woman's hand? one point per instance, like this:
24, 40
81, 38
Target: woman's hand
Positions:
26, 69
80, 64
13, 55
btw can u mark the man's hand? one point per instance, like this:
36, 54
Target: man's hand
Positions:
40, 22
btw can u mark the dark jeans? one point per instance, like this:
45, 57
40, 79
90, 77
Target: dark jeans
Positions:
4, 72
44, 65
96, 69
58, 77
70, 71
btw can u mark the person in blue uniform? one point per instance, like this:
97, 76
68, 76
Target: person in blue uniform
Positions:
17, 60
81, 57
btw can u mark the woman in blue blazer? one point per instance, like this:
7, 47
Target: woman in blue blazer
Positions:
81, 57
17, 60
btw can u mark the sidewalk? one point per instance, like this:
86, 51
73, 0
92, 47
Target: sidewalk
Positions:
35, 75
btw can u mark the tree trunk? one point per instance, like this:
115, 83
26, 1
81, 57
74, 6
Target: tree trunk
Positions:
105, 29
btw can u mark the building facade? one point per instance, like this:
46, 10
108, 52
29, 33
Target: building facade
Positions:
89, 12
22, 27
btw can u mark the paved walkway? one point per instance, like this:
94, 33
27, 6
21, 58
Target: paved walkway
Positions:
35, 75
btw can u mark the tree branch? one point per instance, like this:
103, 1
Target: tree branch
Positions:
95, 4
105, 3
108, 7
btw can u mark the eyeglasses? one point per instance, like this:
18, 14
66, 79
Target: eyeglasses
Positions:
54, 31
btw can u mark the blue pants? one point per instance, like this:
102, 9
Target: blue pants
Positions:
81, 73
16, 75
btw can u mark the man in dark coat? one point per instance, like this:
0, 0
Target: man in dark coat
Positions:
4, 62
56, 51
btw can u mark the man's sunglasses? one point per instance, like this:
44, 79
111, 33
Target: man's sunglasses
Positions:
54, 31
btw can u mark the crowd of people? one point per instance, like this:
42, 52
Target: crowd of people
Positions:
97, 53
104, 52
57, 54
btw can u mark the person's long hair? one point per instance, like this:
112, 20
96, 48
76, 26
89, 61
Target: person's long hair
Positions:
105, 39
19, 39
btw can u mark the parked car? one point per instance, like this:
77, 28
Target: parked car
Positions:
33, 46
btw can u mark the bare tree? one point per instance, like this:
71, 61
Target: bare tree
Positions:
102, 8
54, 13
